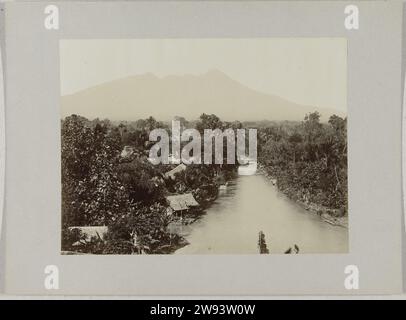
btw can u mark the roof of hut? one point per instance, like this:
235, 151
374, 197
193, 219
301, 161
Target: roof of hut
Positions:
182, 201
172, 172
91, 231
127, 151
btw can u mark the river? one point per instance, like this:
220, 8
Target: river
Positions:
251, 204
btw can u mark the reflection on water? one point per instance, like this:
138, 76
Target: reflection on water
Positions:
251, 204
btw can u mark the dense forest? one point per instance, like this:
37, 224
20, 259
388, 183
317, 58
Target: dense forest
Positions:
308, 161
104, 185
101, 187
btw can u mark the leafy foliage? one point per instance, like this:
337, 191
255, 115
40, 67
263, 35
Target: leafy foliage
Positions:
126, 194
309, 160
100, 187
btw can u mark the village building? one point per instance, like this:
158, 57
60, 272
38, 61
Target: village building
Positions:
171, 173
89, 232
181, 203
127, 151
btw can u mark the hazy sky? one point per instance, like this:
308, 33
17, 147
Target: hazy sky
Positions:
308, 71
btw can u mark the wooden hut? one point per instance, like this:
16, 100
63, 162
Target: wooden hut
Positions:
181, 203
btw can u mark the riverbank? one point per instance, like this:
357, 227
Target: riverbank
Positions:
327, 215
251, 204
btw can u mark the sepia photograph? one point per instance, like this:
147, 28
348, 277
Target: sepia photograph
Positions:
204, 146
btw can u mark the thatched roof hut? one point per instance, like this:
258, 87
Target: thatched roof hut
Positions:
89, 232
181, 202
171, 173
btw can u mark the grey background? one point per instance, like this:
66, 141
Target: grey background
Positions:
403, 142
2, 145
32, 204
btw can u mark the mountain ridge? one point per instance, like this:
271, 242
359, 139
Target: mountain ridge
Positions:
145, 95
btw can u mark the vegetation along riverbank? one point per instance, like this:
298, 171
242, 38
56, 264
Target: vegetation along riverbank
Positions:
114, 201
307, 161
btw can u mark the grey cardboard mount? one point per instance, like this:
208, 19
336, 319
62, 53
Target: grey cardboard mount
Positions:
403, 97
2, 146
30, 237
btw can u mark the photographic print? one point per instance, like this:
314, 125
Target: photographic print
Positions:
204, 146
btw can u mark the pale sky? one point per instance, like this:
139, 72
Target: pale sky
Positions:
308, 71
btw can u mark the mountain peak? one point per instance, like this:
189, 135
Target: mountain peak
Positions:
215, 73
187, 95
147, 75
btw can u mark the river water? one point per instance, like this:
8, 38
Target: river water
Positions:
252, 204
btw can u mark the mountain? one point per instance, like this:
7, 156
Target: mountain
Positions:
189, 96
